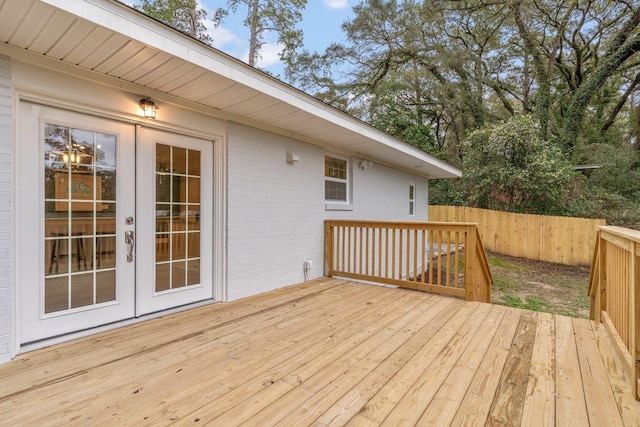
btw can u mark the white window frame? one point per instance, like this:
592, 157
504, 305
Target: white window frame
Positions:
412, 199
339, 204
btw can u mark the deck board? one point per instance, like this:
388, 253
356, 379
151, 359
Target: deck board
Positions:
327, 352
539, 405
508, 402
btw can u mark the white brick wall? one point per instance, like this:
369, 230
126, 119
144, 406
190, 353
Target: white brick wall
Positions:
6, 298
276, 210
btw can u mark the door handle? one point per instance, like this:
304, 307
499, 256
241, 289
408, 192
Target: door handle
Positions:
129, 240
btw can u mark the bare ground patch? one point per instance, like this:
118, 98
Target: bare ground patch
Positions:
540, 286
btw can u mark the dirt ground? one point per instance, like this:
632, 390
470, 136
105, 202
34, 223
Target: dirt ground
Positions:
540, 286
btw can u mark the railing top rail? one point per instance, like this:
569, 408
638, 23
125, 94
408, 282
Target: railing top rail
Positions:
403, 224
625, 233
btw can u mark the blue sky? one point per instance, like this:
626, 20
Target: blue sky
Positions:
321, 26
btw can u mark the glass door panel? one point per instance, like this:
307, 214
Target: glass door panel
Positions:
177, 171
75, 175
177, 236
79, 217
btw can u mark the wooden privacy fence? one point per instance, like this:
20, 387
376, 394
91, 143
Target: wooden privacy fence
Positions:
561, 240
614, 290
446, 258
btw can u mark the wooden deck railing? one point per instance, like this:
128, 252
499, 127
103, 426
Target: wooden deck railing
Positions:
614, 291
446, 258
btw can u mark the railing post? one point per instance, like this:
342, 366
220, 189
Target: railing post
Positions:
603, 275
596, 298
328, 248
634, 271
470, 260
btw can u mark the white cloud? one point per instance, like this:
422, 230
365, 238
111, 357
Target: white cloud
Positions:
224, 38
336, 4
269, 55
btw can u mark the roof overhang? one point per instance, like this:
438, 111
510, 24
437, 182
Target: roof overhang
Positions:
112, 40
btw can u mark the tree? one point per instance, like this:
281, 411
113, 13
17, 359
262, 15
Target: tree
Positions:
263, 16
452, 67
439, 54
573, 65
182, 15
509, 167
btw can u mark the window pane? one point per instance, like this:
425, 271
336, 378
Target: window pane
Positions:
56, 220
179, 218
105, 286
106, 252
163, 158
163, 188
178, 274
178, 245
193, 242
194, 190
335, 191
106, 184
81, 290
335, 168
193, 272
179, 160
163, 277
56, 257
194, 162
56, 294
82, 254
193, 213
105, 150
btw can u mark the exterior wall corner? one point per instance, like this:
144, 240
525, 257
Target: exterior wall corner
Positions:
6, 211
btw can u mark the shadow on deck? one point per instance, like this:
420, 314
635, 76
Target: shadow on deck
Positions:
328, 352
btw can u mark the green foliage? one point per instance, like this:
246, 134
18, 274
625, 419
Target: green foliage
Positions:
182, 15
598, 202
264, 16
531, 303
390, 112
612, 191
618, 168
508, 167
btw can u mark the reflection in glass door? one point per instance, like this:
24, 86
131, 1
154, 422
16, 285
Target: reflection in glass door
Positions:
177, 217
80, 222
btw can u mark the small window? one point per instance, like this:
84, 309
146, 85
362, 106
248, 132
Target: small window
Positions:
412, 199
336, 179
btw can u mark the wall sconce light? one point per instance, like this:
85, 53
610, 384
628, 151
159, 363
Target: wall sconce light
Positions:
148, 107
365, 164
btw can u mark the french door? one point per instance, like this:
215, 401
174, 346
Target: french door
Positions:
113, 221
175, 199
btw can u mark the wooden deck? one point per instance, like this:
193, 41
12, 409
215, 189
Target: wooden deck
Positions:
327, 352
